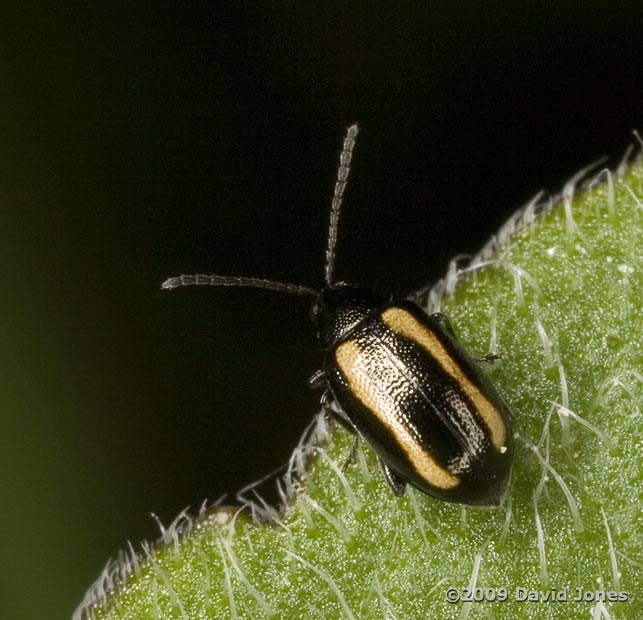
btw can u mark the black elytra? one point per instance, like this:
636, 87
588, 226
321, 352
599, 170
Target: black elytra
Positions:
398, 378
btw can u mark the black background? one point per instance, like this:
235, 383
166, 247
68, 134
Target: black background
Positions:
143, 140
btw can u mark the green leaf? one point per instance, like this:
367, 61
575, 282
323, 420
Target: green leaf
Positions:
560, 298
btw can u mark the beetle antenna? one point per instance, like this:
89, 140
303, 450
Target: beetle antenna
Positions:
200, 279
340, 185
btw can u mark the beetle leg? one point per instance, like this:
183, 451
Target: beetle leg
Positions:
416, 297
443, 321
394, 480
317, 380
332, 409
490, 357
352, 457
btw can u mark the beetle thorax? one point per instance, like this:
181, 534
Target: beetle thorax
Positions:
340, 308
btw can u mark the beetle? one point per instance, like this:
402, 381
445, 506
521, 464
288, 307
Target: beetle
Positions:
398, 378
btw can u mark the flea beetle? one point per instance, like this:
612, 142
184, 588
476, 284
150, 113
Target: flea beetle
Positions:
398, 378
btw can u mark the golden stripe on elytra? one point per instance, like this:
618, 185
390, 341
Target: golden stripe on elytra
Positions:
405, 324
350, 359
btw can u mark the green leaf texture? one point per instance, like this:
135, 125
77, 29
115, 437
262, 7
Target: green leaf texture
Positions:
559, 296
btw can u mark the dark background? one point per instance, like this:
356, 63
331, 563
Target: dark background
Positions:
142, 140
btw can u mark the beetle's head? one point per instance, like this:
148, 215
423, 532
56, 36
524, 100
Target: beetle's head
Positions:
340, 307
